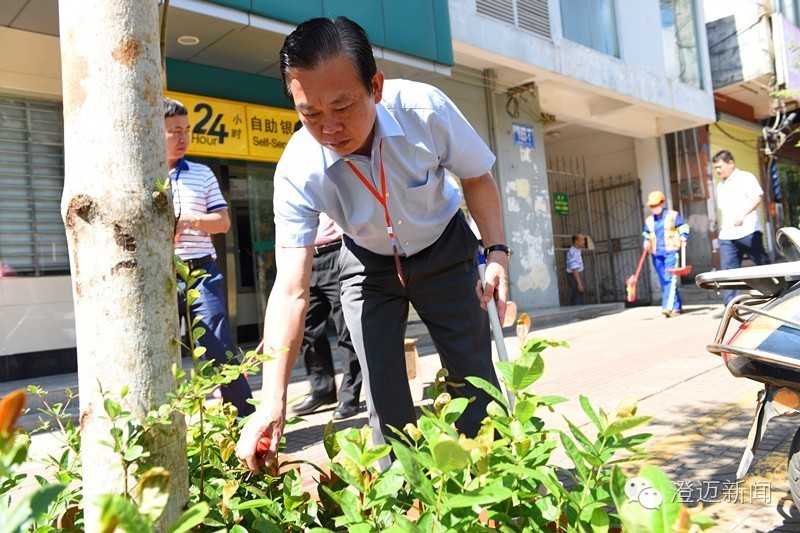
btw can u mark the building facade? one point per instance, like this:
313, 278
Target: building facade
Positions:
576, 97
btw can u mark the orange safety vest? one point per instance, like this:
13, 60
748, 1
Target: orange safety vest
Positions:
672, 238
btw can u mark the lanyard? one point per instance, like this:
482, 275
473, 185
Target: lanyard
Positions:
381, 197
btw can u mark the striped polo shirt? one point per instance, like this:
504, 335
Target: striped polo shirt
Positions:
195, 191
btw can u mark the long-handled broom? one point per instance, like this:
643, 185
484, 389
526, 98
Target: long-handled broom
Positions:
630, 283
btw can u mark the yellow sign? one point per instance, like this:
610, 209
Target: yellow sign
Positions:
226, 129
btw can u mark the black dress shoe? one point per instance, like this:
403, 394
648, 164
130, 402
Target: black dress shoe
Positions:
347, 410
312, 403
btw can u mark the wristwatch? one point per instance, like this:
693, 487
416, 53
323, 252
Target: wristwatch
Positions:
196, 222
496, 248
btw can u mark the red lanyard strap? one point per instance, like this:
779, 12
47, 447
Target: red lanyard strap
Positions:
381, 197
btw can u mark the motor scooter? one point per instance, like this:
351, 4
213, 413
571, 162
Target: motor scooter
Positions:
759, 339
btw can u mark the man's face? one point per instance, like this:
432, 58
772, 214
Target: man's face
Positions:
724, 169
657, 209
581, 242
178, 136
334, 105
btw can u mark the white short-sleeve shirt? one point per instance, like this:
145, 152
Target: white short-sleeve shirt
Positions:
195, 191
422, 134
735, 195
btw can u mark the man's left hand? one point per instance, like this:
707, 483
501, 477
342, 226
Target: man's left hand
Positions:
185, 222
496, 285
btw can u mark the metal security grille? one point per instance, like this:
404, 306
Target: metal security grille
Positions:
528, 15
32, 238
609, 211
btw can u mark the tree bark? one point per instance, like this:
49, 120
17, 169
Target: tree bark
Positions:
119, 230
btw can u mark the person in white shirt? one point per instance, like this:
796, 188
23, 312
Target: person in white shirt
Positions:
738, 198
201, 211
575, 269
374, 155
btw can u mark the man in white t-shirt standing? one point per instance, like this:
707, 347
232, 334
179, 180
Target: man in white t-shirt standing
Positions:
738, 197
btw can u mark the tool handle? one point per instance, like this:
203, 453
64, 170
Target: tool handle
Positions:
497, 328
641, 262
683, 254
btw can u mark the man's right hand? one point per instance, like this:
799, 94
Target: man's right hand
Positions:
267, 423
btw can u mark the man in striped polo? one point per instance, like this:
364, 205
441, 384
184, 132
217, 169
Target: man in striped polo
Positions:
201, 211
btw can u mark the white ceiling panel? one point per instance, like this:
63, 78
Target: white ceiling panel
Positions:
246, 50
40, 16
209, 30
9, 10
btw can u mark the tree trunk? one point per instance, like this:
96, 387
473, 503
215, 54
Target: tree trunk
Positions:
119, 231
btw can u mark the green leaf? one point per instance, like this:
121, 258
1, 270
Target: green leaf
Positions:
112, 408
133, 453
191, 296
454, 410
347, 500
374, 453
524, 410
506, 368
665, 514
553, 400
490, 389
329, 440
588, 408
419, 482
625, 424
704, 522
153, 492
548, 508
494, 410
30, 508
600, 521
191, 518
449, 456
574, 455
485, 495
389, 483
251, 504
521, 373
580, 437
117, 512
198, 332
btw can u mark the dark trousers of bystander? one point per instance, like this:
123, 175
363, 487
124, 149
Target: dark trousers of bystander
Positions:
732, 251
324, 300
210, 307
576, 297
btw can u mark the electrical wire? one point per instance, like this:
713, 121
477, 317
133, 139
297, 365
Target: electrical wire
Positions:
738, 32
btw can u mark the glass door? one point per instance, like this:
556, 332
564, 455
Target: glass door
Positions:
262, 226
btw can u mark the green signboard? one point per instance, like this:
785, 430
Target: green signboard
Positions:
560, 203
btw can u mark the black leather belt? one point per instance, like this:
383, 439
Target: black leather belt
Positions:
198, 262
329, 247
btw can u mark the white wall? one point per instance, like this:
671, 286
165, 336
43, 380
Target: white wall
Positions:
637, 74
526, 211
30, 64
605, 154
36, 314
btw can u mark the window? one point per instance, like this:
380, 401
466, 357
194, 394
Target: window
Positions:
788, 8
679, 36
32, 237
591, 23
528, 15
